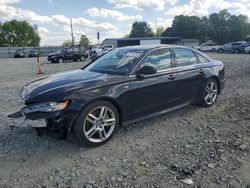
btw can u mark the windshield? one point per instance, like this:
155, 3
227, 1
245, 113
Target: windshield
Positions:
118, 61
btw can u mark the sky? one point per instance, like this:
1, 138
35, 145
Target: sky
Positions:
112, 18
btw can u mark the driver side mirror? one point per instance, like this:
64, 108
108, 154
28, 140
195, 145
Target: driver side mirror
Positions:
145, 70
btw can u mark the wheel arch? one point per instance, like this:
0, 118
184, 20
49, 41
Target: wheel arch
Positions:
218, 82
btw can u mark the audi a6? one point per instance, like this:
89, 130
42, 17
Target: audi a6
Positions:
124, 86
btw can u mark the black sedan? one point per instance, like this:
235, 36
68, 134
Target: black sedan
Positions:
32, 53
124, 86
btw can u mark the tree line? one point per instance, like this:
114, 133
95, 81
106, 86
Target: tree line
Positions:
220, 27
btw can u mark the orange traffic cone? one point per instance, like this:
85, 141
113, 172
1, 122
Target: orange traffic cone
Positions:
39, 66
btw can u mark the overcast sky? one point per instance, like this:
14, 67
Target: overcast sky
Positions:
112, 18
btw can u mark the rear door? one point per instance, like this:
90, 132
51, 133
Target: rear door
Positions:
76, 53
190, 76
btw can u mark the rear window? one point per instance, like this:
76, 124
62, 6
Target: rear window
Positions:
202, 59
184, 57
237, 43
211, 44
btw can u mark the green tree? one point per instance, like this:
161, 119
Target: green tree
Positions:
67, 43
220, 27
126, 36
141, 29
185, 27
226, 27
84, 41
159, 31
18, 33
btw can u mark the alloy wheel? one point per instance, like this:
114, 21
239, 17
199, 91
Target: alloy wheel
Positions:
99, 124
211, 92
60, 60
82, 58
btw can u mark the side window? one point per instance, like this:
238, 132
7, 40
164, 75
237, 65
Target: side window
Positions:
184, 57
70, 50
202, 59
76, 49
159, 59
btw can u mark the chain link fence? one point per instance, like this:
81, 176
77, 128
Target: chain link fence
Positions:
8, 52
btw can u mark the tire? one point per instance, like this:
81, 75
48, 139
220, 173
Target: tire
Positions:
213, 50
210, 93
60, 60
221, 51
90, 128
82, 58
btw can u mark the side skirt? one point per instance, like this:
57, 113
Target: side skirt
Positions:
126, 123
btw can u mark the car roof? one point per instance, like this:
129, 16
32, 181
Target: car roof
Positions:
155, 46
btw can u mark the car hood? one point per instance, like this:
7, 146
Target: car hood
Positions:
60, 84
54, 53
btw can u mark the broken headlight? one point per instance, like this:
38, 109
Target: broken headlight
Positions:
46, 107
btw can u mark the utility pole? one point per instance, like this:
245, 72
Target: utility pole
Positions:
156, 27
98, 36
72, 34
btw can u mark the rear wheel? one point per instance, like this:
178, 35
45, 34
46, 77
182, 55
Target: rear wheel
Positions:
96, 124
210, 93
213, 50
220, 51
82, 58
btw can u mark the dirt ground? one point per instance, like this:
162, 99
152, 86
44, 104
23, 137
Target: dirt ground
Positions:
191, 147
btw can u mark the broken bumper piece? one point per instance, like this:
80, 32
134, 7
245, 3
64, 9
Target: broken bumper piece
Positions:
18, 114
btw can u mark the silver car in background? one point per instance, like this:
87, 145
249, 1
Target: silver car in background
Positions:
207, 47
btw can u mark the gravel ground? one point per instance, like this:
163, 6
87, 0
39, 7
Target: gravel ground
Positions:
193, 146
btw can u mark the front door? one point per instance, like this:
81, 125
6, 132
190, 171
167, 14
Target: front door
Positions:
155, 92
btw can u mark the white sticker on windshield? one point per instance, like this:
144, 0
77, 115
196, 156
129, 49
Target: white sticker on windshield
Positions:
134, 54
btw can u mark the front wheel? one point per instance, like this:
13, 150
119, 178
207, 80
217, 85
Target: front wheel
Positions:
220, 51
210, 93
60, 60
96, 124
82, 58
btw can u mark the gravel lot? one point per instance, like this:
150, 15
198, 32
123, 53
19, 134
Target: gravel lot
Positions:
203, 147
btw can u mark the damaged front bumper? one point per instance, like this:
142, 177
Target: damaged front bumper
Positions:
58, 119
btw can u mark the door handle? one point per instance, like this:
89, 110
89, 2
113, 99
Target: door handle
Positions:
171, 77
201, 71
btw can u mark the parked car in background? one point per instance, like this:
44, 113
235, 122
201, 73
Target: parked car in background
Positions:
72, 53
124, 86
98, 50
239, 47
232, 47
247, 49
207, 47
32, 53
19, 53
